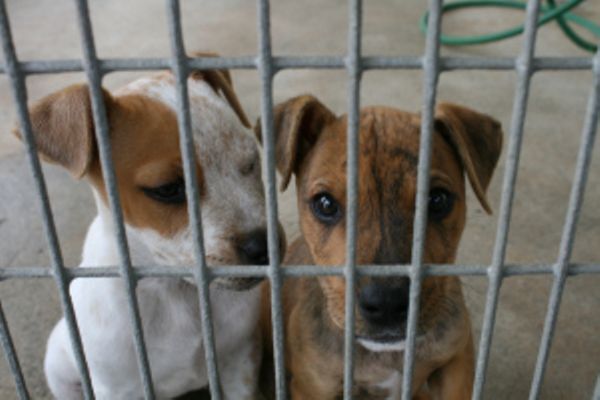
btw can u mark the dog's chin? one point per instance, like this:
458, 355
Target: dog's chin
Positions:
237, 284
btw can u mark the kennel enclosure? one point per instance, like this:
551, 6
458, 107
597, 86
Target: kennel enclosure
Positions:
354, 63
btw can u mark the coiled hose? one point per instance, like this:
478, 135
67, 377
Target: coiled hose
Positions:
549, 12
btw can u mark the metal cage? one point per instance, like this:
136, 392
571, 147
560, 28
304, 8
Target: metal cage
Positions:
268, 65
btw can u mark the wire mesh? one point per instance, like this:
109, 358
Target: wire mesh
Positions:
267, 73
202, 277
268, 65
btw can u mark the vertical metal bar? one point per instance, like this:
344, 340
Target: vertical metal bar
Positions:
267, 72
568, 236
202, 274
431, 72
596, 395
525, 71
353, 66
11, 357
94, 77
19, 92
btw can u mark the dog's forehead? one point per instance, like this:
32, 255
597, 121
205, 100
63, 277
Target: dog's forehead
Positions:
215, 126
386, 136
389, 133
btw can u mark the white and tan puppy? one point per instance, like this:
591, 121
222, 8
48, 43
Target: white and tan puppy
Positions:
146, 157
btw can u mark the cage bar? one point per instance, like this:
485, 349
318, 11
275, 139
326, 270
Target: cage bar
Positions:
268, 65
11, 357
181, 71
237, 271
430, 81
352, 143
108, 65
568, 235
58, 271
264, 64
496, 271
94, 77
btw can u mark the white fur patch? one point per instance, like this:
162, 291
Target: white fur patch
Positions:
233, 205
380, 347
393, 384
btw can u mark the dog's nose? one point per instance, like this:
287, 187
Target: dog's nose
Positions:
384, 305
254, 249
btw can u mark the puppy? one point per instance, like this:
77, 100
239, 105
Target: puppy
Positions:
146, 157
310, 144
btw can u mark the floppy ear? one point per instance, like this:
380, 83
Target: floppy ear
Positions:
297, 125
63, 128
220, 81
477, 140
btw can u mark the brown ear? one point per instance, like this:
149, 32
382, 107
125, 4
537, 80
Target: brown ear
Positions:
63, 128
477, 139
220, 81
297, 125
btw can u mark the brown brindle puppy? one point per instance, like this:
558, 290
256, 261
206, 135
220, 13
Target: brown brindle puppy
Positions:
311, 143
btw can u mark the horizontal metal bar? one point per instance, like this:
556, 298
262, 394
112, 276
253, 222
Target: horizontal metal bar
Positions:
37, 67
238, 271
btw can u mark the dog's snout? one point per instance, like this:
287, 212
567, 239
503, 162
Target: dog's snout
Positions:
253, 248
384, 305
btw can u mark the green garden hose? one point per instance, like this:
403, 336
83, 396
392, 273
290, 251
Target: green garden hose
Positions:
549, 12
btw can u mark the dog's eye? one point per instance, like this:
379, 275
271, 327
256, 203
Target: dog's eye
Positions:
170, 193
441, 203
326, 208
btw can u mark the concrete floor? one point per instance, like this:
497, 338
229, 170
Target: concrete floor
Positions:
45, 29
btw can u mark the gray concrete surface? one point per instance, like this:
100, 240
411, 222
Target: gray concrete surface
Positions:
45, 29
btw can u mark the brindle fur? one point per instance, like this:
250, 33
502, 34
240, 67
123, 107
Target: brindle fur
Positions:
310, 142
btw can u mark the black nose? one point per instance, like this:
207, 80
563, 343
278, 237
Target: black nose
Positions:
384, 305
253, 248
